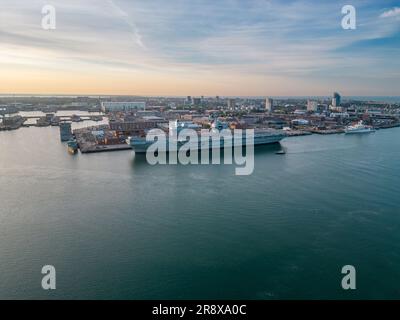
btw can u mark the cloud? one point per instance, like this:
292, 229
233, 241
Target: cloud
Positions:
395, 12
197, 39
135, 31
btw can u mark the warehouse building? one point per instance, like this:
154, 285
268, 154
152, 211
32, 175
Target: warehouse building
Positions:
122, 106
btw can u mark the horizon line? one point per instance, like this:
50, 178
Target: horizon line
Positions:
182, 96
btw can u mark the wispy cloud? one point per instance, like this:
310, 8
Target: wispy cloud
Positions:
395, 12
135, 31
260, 42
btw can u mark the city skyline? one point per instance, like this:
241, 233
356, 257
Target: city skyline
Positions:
229, 48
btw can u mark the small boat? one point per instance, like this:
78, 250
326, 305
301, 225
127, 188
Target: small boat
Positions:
281, 152
72, 146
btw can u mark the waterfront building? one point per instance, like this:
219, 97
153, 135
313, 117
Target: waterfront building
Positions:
122, 106
300, 122
140, 124
11, 121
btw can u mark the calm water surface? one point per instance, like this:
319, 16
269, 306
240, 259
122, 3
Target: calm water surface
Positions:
116, 227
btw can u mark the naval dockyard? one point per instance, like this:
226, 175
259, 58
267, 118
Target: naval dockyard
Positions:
106, 122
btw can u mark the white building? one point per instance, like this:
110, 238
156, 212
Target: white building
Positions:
300, 122
122, 106
312, 106
269, 105
339, 115
299, 112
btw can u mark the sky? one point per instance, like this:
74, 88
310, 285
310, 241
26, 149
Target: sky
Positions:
200, 47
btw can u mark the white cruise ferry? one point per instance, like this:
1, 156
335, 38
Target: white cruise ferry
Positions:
359, 128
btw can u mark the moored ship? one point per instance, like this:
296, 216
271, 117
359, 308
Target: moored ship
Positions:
359, 128
261, 137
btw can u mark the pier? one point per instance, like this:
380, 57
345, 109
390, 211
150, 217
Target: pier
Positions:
64, 117
45, 121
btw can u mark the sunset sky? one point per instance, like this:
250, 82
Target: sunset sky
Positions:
207, 47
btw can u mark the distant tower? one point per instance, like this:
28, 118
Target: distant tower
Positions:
231, 104
336, 100
269, 105
197, 101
